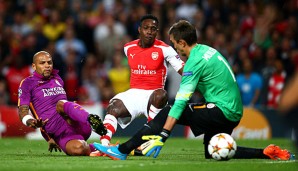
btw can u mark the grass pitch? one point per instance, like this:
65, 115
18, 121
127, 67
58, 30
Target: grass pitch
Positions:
177, 154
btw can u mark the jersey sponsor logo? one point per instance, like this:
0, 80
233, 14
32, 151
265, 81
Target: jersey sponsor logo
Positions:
53, 91
154, 55
143, 71
187, 73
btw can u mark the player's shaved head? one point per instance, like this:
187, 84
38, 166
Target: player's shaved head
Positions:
43, 63
38, 54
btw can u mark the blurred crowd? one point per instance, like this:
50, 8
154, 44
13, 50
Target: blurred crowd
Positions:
86, 38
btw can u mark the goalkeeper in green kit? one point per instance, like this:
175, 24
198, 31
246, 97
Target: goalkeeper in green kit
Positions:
207, 72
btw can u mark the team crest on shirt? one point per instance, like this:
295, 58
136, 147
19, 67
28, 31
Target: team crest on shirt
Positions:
154, 55
57, 82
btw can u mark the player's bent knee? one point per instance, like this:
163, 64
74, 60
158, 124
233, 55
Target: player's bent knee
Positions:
159, 98
117, 109
77, 148
160, 94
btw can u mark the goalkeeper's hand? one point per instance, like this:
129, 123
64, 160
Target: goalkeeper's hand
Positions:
152, 146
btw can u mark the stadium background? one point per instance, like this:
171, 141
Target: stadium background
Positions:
85, 38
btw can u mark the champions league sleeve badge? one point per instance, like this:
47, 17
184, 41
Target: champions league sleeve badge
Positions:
19, 92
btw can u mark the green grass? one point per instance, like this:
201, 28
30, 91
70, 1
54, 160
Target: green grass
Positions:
177, 154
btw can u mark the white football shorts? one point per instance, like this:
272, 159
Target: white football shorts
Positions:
136, 102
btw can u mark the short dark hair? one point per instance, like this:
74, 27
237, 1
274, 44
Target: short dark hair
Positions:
184, 30
149, 16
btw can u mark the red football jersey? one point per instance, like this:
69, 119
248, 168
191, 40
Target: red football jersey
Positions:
148, 66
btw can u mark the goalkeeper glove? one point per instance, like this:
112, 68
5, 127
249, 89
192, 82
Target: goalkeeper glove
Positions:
154, 143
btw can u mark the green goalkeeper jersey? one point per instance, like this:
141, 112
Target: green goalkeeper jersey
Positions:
208, 72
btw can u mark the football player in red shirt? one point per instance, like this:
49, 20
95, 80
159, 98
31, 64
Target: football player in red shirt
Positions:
147, 59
